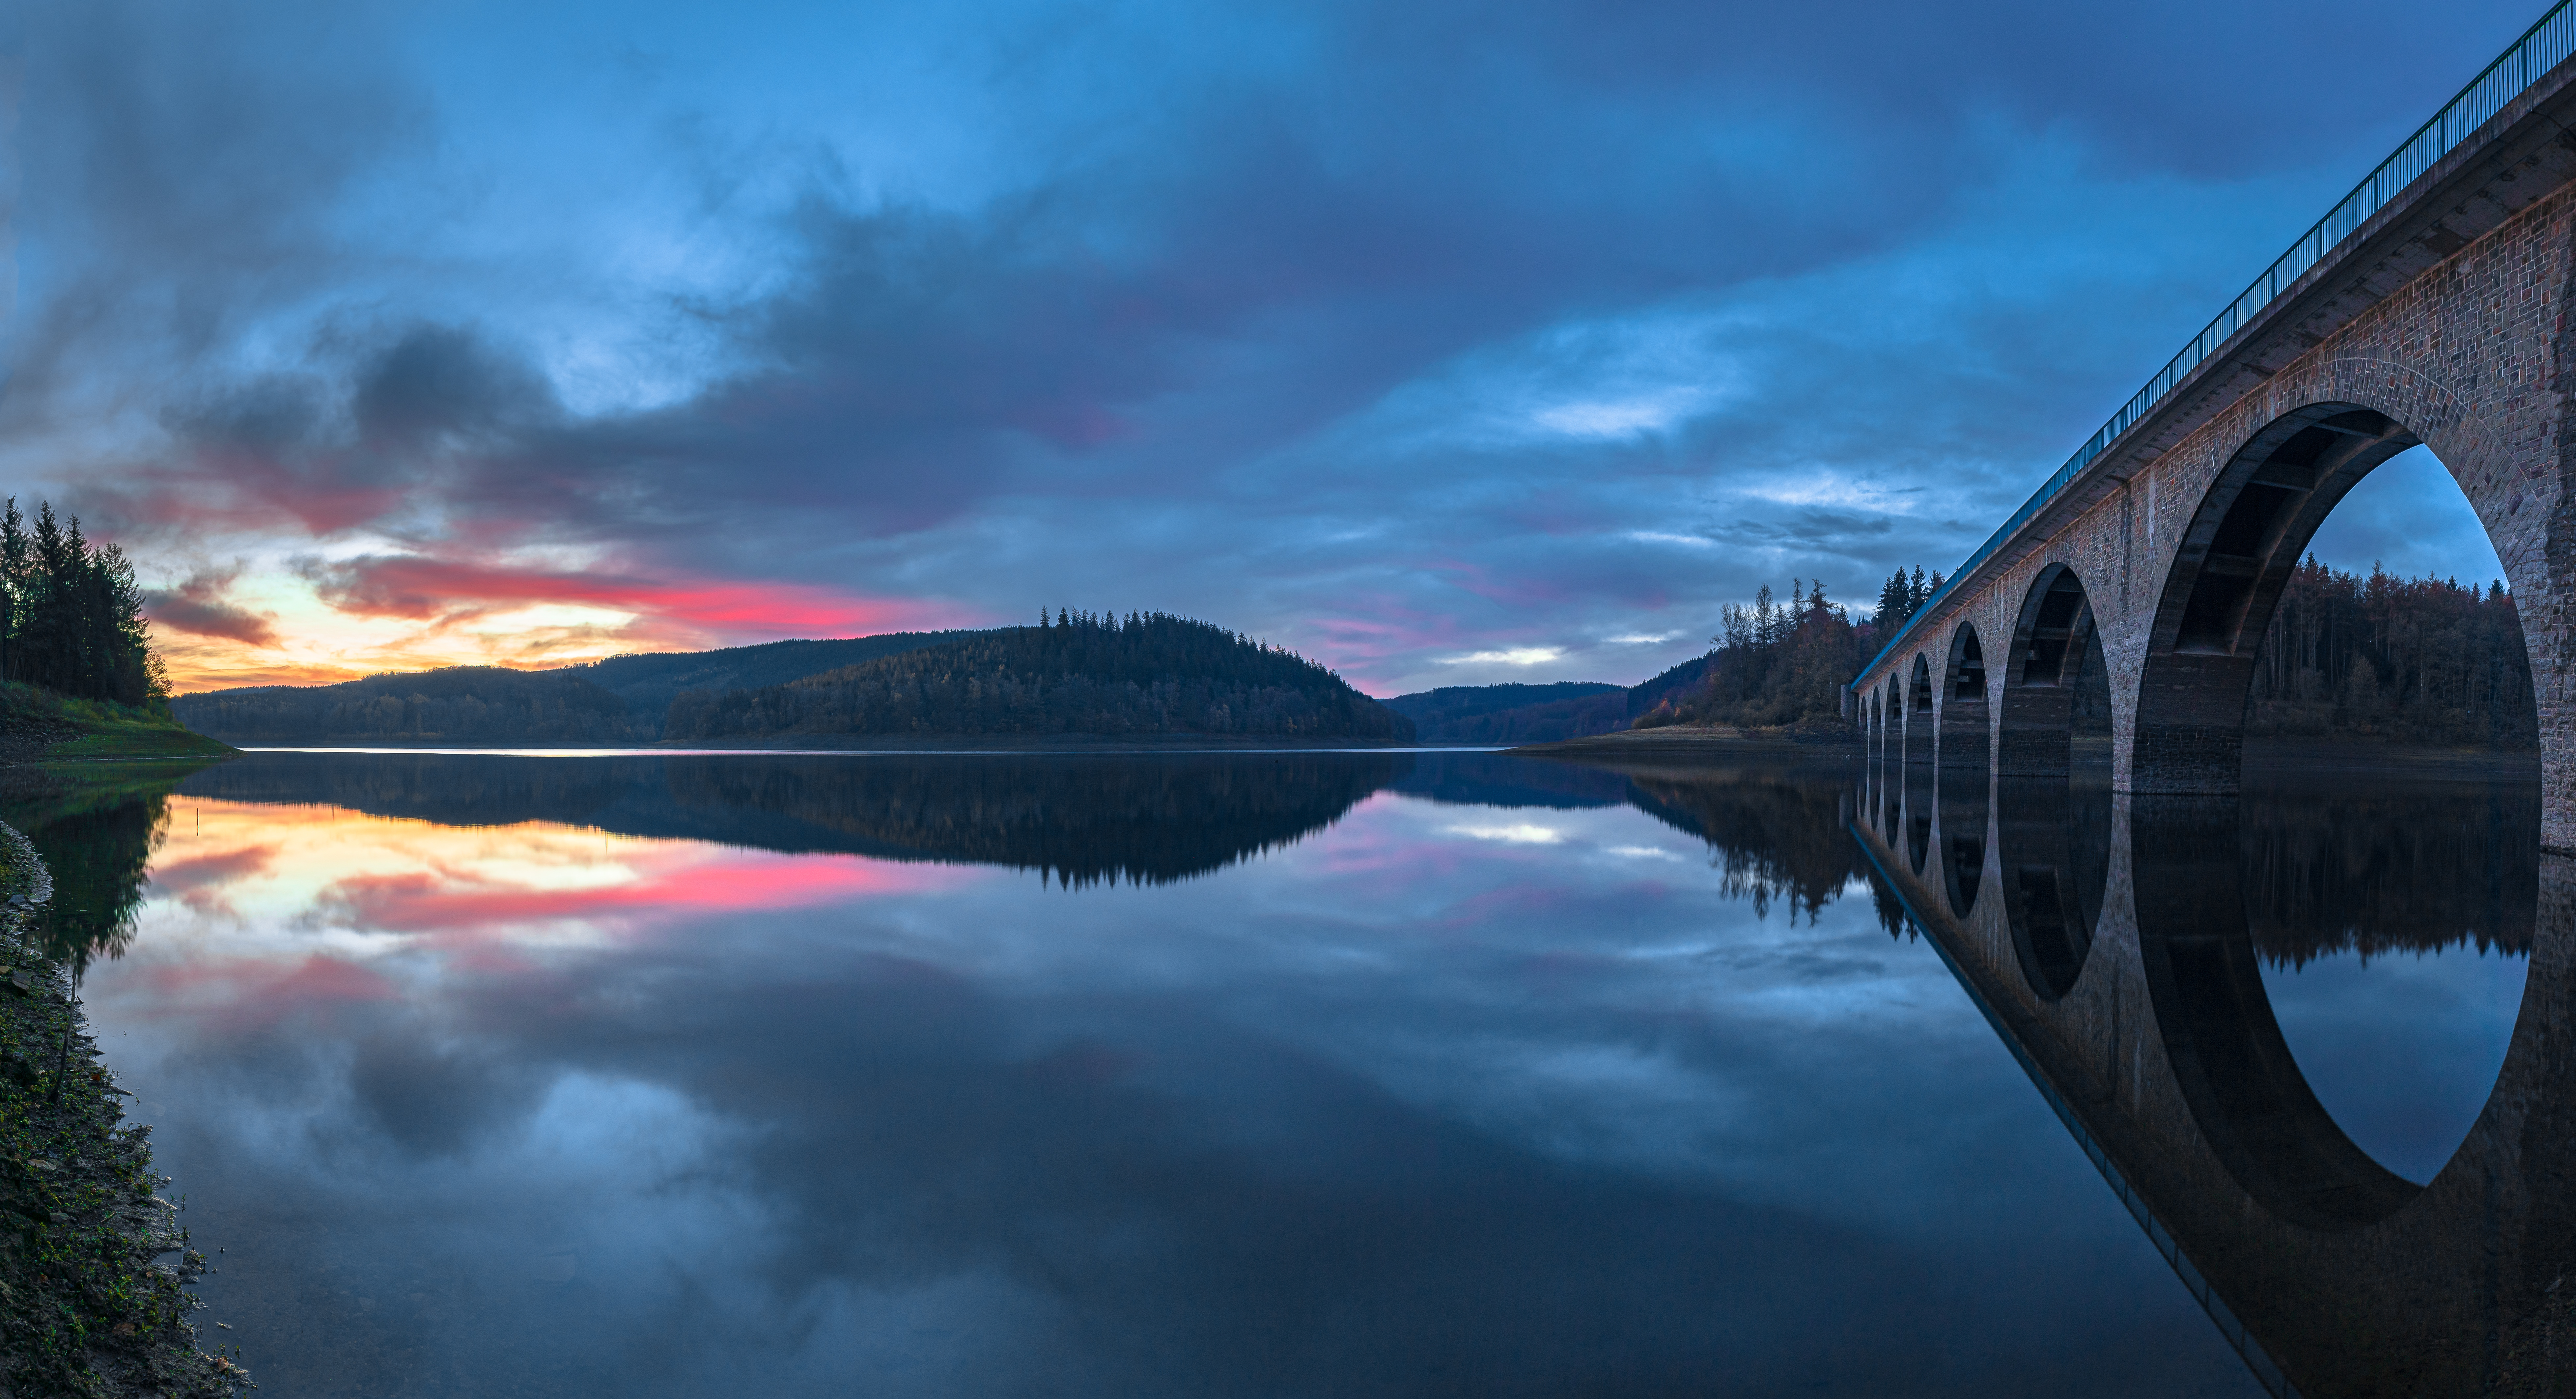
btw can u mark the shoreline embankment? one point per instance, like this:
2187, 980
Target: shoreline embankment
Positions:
2270, 757
87, 1304
1689, 741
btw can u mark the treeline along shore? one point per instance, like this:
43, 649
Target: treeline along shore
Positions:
1142, 677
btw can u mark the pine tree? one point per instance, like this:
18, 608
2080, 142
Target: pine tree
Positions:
72, 612
1895, 603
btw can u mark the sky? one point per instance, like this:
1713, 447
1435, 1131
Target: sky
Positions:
1447, 344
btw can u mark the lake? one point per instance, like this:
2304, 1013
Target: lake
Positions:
1245, 1073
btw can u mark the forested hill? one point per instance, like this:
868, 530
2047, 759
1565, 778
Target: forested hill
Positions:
1145, 675
1513, 713
648, 682
456, 705
617, 701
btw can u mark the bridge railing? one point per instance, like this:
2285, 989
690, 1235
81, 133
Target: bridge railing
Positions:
2541, 48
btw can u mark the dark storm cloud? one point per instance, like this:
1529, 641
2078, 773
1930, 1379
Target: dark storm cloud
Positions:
181, 167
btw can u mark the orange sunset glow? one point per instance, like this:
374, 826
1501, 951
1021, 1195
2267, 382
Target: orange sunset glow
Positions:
379, 614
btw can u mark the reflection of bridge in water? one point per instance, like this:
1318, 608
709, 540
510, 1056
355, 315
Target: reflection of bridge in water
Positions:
2116, 943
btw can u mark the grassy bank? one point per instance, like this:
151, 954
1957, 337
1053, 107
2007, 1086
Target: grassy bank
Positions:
41, 725
87, 1307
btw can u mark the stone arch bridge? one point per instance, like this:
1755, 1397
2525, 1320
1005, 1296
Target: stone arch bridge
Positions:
2126, 600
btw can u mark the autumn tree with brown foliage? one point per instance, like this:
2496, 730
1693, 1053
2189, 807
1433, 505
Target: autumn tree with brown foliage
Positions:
1773, 665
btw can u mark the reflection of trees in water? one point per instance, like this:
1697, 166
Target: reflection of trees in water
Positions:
1496, 779
96, 827
98, 860
2417, 867
452, 790
1773, 833
1080, 819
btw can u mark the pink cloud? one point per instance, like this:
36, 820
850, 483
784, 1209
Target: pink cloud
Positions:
419, 587
423, 903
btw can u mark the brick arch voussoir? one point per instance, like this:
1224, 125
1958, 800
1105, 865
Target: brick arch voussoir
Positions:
2482, 463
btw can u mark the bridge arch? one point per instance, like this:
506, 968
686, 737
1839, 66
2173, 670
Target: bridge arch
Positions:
2056, 655
2199, 651
1919, 714
1964, 726
2237, 552
1895, 720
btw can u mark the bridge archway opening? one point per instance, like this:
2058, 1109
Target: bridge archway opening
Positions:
1920, 738
1964, 726
2240, 551
2056, 679
1894, 748
2351, 1075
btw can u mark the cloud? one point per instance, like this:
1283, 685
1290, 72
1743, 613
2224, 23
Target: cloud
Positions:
1406, 373
1517, 655
197, 606
420, 588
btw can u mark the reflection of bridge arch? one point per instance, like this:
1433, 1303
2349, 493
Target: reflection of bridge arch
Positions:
2161, 1055
1918, 797
1961, 795
2252, 1103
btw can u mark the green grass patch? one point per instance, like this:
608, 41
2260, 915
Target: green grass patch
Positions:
94, 729
151, 743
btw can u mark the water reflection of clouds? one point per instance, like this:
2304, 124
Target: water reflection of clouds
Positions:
1493, 1116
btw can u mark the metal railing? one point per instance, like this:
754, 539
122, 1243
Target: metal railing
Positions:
2541, 48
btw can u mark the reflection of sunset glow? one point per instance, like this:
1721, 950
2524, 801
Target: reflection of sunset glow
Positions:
304, 905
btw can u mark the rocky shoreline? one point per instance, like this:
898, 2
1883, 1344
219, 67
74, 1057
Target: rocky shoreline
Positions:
94, 1262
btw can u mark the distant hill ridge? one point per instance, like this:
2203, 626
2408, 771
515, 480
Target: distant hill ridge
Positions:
1096, 675
1512, 714
1149, 674
620, 700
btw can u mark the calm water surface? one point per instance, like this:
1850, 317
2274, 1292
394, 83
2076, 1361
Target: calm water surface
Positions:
1245, 1074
